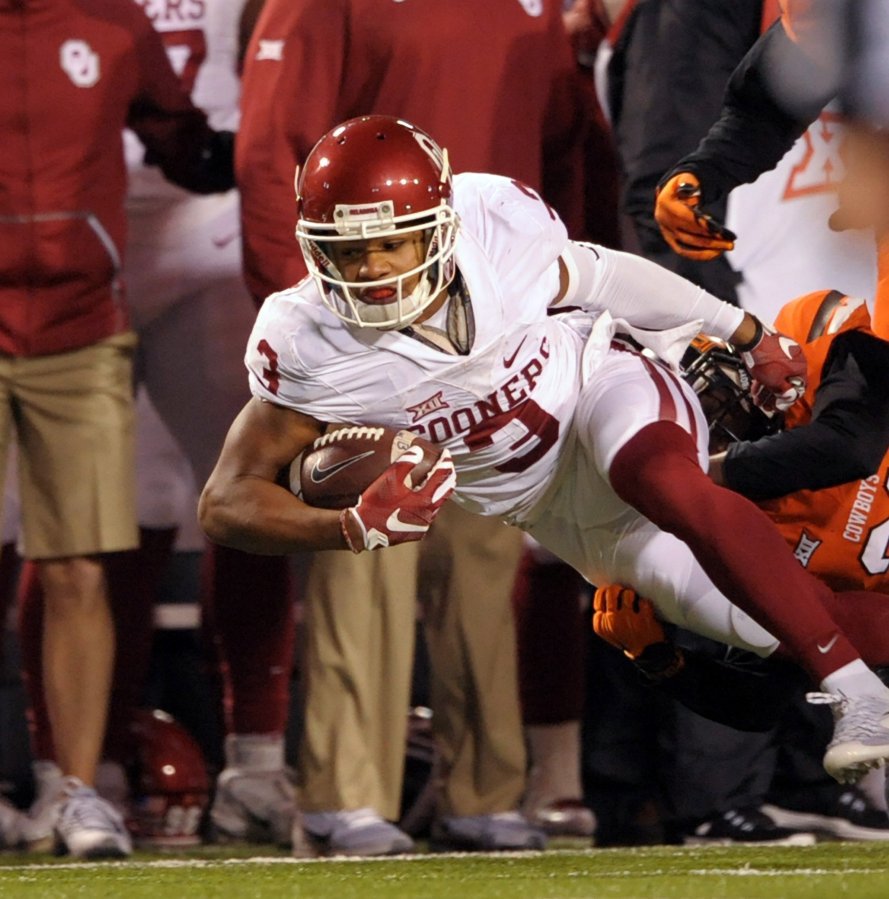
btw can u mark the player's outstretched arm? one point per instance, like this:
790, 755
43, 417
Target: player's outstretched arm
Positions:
244, 506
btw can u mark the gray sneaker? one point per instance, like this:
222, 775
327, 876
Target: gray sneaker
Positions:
254, 806
860, 736
88, 826
359, 832
564, 818
39, 824
10, 825
501, 831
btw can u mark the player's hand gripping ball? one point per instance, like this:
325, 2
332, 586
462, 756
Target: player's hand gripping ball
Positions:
777, 367
389, 484
339, 466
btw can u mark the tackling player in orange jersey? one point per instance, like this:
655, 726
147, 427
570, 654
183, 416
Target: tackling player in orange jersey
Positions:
838, 432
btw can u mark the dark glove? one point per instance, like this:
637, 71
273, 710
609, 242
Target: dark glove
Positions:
209, 171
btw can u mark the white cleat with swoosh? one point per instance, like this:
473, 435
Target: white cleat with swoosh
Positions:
860, 736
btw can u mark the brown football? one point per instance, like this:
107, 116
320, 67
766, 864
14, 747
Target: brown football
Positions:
338, 466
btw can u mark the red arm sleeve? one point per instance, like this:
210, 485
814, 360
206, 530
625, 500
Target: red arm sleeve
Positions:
292, 75
568, 119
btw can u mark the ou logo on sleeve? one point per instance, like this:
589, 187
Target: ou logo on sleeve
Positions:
532, 7
79, 62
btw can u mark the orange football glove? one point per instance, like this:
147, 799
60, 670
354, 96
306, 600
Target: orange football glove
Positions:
689, 231
626, 620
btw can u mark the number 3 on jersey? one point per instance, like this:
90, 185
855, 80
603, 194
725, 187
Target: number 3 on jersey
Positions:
270, 374
541, 432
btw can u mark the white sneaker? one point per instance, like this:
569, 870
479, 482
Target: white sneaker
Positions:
10, 825
499, 832
361, 831
860, 736
254, 806
38, 825
88, 826
255, 798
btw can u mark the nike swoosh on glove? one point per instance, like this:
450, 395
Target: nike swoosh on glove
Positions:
391, 511
688, 230
777, 369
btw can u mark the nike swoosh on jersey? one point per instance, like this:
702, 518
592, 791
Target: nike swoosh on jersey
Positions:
829, 645
318, 474
508, 360
394, 523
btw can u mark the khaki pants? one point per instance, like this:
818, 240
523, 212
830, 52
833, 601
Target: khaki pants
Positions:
360, 626
73, 419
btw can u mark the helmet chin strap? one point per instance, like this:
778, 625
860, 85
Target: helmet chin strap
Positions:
412, 305
343, 298
386, 315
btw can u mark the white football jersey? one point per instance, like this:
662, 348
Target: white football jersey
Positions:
503, 410
534, 414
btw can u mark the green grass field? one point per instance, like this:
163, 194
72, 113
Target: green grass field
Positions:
829, 870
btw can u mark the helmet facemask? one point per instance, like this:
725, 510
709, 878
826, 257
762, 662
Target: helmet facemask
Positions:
721, 381
376, 221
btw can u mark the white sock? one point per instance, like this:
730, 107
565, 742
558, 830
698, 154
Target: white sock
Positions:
255, 752
554, 752
853, 680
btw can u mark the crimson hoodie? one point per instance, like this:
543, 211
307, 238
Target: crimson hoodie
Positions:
74, 73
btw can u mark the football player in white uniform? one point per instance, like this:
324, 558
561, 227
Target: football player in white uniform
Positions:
458, 308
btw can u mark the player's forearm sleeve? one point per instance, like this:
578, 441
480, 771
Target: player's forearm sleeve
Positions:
641, 292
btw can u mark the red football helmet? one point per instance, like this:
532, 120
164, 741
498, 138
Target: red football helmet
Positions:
375, 177
171, 788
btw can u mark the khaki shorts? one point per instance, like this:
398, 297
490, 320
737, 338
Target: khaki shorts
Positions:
72, 416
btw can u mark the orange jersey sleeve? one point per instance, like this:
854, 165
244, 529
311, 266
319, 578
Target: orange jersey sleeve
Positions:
840, 534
